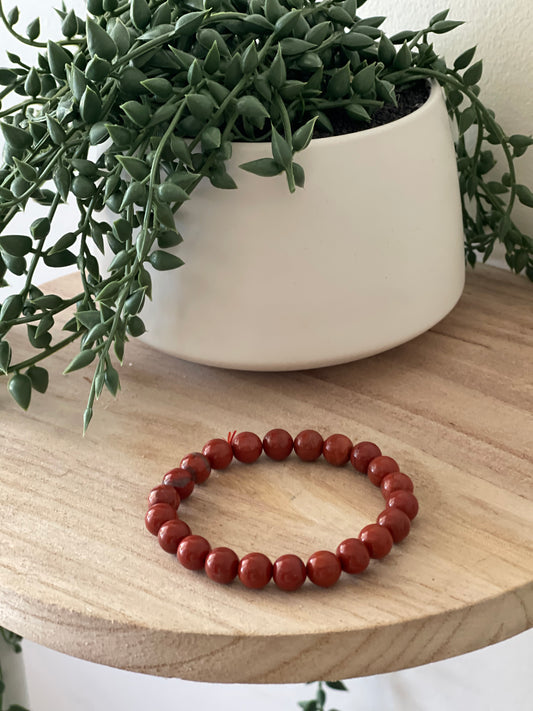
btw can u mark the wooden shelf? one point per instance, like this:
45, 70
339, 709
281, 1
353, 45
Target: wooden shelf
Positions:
79, 572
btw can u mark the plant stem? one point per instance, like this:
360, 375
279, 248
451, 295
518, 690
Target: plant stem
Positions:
320, 697
15, 34
37, 317
38, 250
23, 105
46, 352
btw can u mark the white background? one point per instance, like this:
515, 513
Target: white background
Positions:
495, 679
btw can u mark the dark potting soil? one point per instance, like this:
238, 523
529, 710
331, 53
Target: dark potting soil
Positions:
409, 99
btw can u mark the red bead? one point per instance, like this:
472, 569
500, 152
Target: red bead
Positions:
405, 501
380, 467
171, 534
336, 449
277, 444
192, 552
323, 569
362, 454
353, 555
394, 482
247, 447
182, 480
377, 539
289, 572
221, 565
308, 445
397, 522
198, 465
157, 515
164, 494
218, 452
255, 570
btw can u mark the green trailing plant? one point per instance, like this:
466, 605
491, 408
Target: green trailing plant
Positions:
141, 100
12, 640
319, 701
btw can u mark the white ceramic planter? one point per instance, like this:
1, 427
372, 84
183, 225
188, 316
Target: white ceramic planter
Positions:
367, 256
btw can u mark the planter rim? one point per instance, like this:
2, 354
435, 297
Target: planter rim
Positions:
362, 134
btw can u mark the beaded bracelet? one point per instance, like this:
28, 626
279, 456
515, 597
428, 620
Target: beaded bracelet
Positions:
289, 571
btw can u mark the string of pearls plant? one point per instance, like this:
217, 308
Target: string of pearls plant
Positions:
167, 86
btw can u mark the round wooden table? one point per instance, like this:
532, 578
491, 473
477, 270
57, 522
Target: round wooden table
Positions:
80, 573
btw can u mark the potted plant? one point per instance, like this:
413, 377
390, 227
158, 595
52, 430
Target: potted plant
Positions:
135, 114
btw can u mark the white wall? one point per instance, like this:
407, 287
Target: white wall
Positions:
494, 679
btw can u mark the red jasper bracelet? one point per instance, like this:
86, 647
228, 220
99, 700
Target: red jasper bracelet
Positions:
289, 571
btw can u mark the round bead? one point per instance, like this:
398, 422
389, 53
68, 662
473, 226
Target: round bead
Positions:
394, 482
198, 465
157, 515
277, 444
362, 454
182, 480
255, 570
289, 572
380, 467
218, 452
323, 569
405, 501
164, 494
171, 534
247, 447
397, 522
336, 449
192, 552
308, 445
221, 565
353, 555
377, 539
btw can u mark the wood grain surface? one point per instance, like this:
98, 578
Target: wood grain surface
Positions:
79, 572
